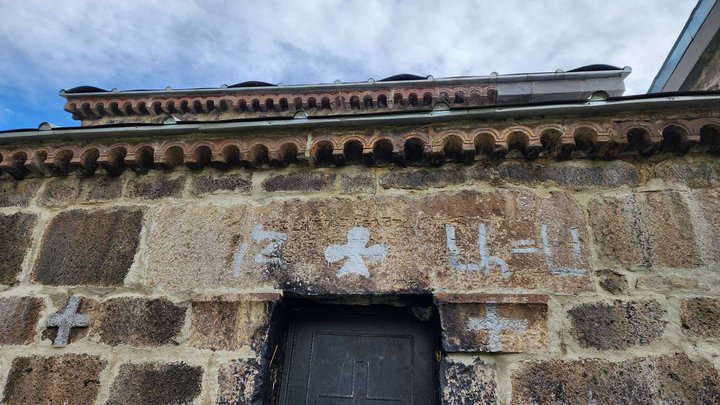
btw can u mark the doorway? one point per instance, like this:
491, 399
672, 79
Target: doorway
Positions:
360, 355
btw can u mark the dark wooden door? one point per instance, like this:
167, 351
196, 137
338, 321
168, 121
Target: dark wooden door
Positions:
358, 356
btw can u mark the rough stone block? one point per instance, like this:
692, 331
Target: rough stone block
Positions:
154, 186
18, 318
701, 317
100, 188
618, 325
705, 215
670, 379
644, 229
138, 321
357, 184
613, 282
378, 244
582, 174
65, 379
467, 384
671, 283
418, 179
15, 193
299, 181
488, 323
207, 182
220, 324
522, 172
241, 382
693, 174
14, 243
89, 247
59, 192
155, 383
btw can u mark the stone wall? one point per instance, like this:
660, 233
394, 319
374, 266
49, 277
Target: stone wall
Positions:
555, 282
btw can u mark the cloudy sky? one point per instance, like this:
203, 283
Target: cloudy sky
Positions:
49, 45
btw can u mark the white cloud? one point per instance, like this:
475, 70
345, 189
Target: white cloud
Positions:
48, 45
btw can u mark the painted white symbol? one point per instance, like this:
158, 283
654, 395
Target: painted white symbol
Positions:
486, 260
355, 251
547, 249
66, 320
495, 325
270, 254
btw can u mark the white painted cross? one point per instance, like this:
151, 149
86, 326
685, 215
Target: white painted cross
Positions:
355, 251
494, 325
270, 254
66, 320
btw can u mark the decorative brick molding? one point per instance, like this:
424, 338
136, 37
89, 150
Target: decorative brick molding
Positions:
560, 139
280, 101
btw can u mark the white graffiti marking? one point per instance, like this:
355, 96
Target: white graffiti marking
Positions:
494, 325
270, 254
355, 251
487, 261
547, 249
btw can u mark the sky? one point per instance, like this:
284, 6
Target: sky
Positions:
49, 45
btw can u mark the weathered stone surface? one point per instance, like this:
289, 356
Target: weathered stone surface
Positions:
418, 179
694, 174
613, 282
299, 181
701, 316
618, 325
87, 307
508, 324
66, 379
15, 193
228, 325
241, 382
138, 321
18, 318
89, 247
644, 229
14, 243
467, 384
671, 379
397, 244
207, 182
154, 383
357, 184
59, 192
522, 172
592, 174
100, 188
705, 214
154, 186
671, 283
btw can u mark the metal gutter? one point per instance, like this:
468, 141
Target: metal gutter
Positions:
579, 108
682, 45
335, 87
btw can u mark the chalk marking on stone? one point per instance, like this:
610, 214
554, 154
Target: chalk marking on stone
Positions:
523, 246
487, 261
455, 252
355, 251
495, 325
66, 320
269, 254
239, 256
547, 249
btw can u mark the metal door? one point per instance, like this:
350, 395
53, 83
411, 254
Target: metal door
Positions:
359, 356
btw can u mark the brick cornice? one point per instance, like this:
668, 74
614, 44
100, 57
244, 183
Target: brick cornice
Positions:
571, 137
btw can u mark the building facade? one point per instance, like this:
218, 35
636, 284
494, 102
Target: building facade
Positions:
518, 239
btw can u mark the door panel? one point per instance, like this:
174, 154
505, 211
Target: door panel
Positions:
359, 355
